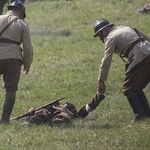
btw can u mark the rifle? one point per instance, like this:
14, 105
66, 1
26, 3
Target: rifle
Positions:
44, 106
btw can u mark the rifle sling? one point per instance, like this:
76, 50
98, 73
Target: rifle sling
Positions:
3, 40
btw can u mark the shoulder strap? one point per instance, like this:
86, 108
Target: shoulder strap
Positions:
133, 28
121, 57
8, 26
136, 31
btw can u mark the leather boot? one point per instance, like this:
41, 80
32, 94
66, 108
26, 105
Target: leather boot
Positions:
136, 107
7, 109
144, 103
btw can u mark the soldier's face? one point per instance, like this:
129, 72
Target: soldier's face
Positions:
100, 34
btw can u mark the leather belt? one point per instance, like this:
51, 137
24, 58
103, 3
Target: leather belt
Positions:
3, 40
132, 45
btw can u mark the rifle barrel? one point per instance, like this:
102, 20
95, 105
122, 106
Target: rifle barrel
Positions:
44, 106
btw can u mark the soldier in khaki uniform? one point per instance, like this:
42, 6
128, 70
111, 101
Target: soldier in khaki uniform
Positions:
131, 43
14, 31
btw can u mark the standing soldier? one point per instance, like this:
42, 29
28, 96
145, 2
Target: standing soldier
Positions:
14, 31
3, 2
131, 43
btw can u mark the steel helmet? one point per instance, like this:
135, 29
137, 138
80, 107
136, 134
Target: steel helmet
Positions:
100, 25
18, 4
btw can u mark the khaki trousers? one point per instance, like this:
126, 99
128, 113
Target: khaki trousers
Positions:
10, 70
138, 78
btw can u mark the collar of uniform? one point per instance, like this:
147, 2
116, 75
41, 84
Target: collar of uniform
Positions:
110, 30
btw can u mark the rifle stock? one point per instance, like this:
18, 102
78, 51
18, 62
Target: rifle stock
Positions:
44, 106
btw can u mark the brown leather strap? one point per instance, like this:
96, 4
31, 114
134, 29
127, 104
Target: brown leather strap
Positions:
3, 40
8, 26
132, 45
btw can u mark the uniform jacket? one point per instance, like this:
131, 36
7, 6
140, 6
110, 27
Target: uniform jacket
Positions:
118, 41
54, 114
18, 31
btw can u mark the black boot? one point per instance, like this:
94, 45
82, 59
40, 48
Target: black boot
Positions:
144, 103
7, 109
136, 107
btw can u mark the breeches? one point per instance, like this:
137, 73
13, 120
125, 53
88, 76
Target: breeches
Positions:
10, 69
138, 78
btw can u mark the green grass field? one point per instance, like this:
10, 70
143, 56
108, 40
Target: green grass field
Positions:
66, 64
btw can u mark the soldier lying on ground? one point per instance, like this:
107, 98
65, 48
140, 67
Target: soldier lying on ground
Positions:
145, 9
61, 113
55, 113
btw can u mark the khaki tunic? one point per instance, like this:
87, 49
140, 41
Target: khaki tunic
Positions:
18, 31
118, 41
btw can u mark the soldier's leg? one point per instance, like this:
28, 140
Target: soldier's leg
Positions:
2, 4
144, 103
136, 106
23, 1
11, 79
136, 80
8, 106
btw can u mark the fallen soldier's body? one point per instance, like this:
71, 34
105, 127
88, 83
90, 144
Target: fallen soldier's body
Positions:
61, 113
145, 9
55, 113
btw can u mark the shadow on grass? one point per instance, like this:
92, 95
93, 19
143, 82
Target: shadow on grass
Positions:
87, 124
104, 126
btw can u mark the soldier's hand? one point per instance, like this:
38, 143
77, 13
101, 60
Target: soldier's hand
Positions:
101, 86
31, 111
25, 71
